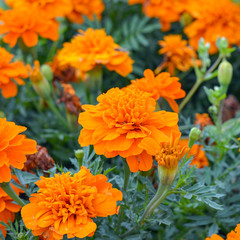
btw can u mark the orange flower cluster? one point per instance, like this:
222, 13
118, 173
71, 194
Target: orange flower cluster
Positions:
8, 208
66, 204
199, 156
53, 8
214, 18
167, 11
163, 85
13, 148
87, 8
119, 123
233, 235
203, 120
92, 48
10, 74
177, 54
20, 23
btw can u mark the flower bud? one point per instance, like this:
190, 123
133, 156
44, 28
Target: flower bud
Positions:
2, 114
186, 19
225, 72
194, 135
39, 82
79, 154
47, 72
213, 110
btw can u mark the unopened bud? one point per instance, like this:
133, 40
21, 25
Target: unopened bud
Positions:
79, 154
185, 19
2, 114
39, 82
194, 135
225, 72
213, 110
47, 72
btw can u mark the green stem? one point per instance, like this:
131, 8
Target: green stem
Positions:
7, 188
155, 202
55, 110
125, 185
190, 94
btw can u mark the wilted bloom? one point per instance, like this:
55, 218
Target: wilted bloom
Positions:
199, 156
203, 120
167, 11
92, 48
67, 204
7, 207
10, 74
120, 121
177, 54
39, 82
64, 73
40, 159
167, 154
87, 8
213, 19
13, 148
163, 85
72, 101
52, 8
26, 25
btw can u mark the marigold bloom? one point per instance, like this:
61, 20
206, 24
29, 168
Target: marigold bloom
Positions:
26, 25
163, 85
203, 120
66, 204
10, 74
214, 19
52, 8
121, 120
239, 148
167, 11
92, 48
177, 54
7, 207
13, 148
87, 8
167, 155
131, 2
214, 237
199, 156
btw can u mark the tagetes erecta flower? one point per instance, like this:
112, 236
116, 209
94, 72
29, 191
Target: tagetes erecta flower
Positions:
162, 85
26, 25
67, 204
177, 54
239, 148
199, 156
214, 19
233, 235
53, 8
87, 8
10, 74
13, 148
7, 207
92, 48
203, 120
119, 123
167, 155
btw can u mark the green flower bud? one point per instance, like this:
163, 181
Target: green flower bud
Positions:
2, 114
213, 110
225, 72
194, 135
47, 72
79, 154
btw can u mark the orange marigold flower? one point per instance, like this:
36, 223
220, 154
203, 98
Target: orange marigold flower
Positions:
10, 74
168, 11
177, 54
199, 157
26, 25
163, 85
66, 204
214, 237
53, 8
167, 154
121, 120
239, 148
131, 2
203, 120
13, 148
214, 19
92, 48
87, 8
7, 207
